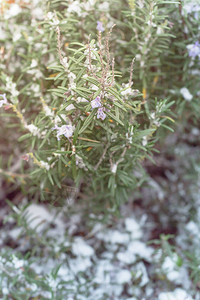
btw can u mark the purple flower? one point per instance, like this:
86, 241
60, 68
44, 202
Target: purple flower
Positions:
100, 114
66, 130
4, 101
96, 102
194, 50
100, 26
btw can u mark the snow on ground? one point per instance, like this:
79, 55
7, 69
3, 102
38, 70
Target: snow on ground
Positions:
151, 252
106, 261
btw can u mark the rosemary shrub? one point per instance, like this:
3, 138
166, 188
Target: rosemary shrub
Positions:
86, 127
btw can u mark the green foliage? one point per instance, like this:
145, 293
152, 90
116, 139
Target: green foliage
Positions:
105, 144
181, 67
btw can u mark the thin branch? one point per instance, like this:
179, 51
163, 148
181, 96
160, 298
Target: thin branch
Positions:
102, 157
11, 174
59, 44
120, 159
108, 49
101, 55
122, 156
113, 70
131, 72
90, 59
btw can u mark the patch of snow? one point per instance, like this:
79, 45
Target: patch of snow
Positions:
169, 266
80, 264
114, 237
123, 276
37, 216
15, 232
139, 248
103, 272
18, 263
81, 248
192, 228
126, 257
13, 11
70, 107
186, 94
133, 227
141, 273
5, 291
178, 294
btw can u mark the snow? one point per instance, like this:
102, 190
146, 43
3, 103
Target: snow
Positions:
123, 276
81, 248
33, 129
141, 273
133, 227
5, 291
114, 237
108, 260
140, 249
38, 218
126, 257
15, 232
70, 107
119, 263
18, 263
192, 228
186, 94
178, 294
170, 268
13, 11
103, 270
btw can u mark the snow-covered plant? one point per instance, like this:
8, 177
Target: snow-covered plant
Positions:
181, 64
87, 128
90, 130
148, 35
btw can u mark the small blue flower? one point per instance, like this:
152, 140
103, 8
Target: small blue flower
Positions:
66, 130
100, 114
194, 50
96, 102
100, 26
4, 101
